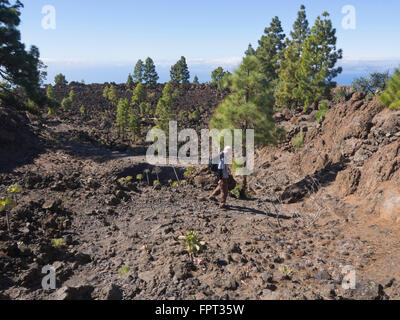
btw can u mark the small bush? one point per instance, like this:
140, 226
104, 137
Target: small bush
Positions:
9, 202
123, 270
193, 242
323, 108
194, 115
175, 184
189, 172
391, 96
370, 96
58, 242
375, 81
298, 141
156, 183
287, 271
340, 95
237, 191
124, 180
66, 104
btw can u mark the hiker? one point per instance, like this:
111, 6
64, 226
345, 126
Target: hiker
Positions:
223, 175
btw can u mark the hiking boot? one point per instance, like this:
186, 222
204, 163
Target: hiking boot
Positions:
222, 206
212, 198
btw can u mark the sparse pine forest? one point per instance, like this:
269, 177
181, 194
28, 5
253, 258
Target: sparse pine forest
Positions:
78, 193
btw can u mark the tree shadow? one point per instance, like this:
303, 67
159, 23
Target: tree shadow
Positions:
161, 173
311, 184
259, 212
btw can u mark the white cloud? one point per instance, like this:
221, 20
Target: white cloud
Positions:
353, 65
224, 62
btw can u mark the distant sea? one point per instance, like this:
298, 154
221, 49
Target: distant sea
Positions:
119, 73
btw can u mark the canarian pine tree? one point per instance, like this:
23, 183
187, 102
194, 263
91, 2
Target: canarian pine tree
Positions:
145, 110
122, 119
139, 94
180, 72
51, 96
112, 95
105, 92
50, 92
288, 82
134, 123
217, 75
175, 73
138, 71
184, 74
164, 108
317, 63
250, 51
60, 80
129, 82
249, 106
270, 49
19, 67
196, 79
391, 96
301, 27
150, 75
67, 103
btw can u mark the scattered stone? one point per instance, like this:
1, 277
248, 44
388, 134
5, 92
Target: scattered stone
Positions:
231, 284
322, 276
83, 292
112, 292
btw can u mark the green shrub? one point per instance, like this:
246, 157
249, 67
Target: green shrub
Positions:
189, 172
126, 179
66, 104
9, 202
236, 165
58, 242
156, 183
375, 81
340, 95
370, 96
193, 242
194, 115
298, 141
175, 184
323, 108
123, 270
287, 271
391, 96
237, 191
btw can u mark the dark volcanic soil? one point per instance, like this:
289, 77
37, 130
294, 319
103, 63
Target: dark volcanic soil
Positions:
263, 248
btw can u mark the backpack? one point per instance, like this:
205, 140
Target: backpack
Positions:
213, 166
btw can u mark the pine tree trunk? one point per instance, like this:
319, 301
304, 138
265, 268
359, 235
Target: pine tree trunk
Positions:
244, 183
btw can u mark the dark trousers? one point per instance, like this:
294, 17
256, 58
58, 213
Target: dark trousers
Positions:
221, 189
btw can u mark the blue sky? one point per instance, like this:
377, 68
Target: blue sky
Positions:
98, 40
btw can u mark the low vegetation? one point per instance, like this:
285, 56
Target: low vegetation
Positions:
323, 108
193, 242
123, 270
9, 202
391, 96
376, 82
298, 141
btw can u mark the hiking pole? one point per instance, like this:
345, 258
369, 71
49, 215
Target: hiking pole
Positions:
176, 175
